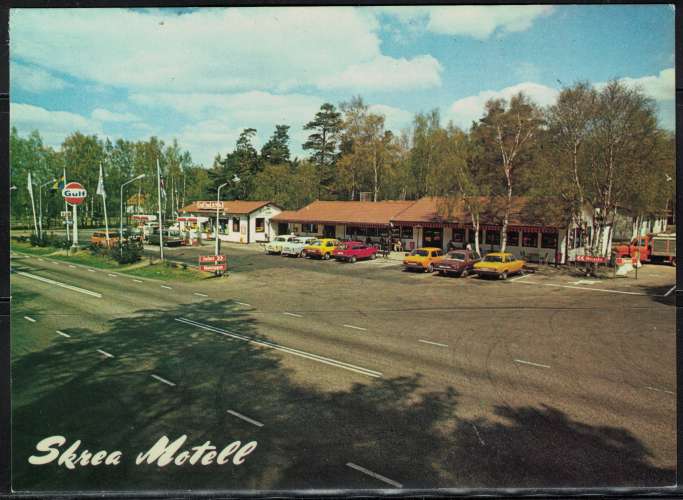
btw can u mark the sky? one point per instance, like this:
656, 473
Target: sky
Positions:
202, 75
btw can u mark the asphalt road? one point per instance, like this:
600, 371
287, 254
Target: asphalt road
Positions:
347, 375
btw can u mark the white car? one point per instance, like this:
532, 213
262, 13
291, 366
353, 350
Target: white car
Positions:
275, 246
295, 247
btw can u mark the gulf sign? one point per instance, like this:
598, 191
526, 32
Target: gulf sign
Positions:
74, 193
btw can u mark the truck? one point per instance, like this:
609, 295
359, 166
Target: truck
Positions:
650, 248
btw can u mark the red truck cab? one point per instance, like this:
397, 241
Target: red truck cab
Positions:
650, 248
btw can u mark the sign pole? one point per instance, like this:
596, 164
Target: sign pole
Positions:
74, 233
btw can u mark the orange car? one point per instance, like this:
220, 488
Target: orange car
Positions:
99, 238
423, 259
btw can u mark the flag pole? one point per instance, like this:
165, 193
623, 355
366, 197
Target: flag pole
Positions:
102, 192
33, 203
161, 222
66, 208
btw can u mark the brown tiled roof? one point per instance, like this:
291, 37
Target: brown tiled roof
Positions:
229, 207
524, 212
345, 212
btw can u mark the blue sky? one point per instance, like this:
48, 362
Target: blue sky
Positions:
202, 75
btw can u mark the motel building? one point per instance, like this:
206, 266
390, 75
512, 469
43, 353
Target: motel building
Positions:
238, 221
419, 224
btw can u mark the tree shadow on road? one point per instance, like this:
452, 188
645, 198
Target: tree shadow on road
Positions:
391, 426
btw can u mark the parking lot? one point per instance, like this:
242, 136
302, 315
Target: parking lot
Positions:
360, 375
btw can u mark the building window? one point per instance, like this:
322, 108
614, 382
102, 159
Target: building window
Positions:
470, 237
260, 224
372, 231
236, 224
432, 237
492, 237
407, 232
309, 228
513, 238
458, 235
549, 240
529, 240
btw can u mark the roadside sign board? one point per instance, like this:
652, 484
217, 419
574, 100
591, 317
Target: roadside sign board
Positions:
591, 258
74, 193
66, 214
203, 259
213, 267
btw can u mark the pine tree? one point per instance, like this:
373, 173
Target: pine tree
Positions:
327, 126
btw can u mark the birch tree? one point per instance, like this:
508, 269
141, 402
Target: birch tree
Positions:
509, 133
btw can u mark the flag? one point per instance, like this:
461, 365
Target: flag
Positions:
59, 183
100, 184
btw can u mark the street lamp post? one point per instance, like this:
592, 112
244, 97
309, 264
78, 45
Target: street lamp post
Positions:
218, 206
121, 211
40, 206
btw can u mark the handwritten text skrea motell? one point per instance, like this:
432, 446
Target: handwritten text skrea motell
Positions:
162, 453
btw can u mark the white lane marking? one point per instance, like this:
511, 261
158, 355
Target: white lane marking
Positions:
293, 314
478, 435
356, 328
200, 294
289, 350
63, 334
520, 277
29, 318
72, 266
243, 304
659, 390
584, 288
105, 353
245, 418
670, 291
374, 474
583, 282
432, 343
91, 270
530, 363
112, 275
168, 287
137, 281
58, 283
161, 379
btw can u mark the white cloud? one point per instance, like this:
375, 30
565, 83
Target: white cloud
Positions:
33, 79
104, 115
387, 73
468, 109
474, 21
661, 87
207, 50
396, 119
218, 119
53, 126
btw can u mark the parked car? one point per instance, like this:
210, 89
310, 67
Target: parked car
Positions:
352, 251
295, 247
275, 246
99, 238
321, 248
457, 263
499, 264
423, 259
171, 238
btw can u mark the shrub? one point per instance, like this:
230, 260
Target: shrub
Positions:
126, 253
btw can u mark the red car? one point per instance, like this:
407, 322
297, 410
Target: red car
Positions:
354, 250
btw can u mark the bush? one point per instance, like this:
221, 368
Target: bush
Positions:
127, 253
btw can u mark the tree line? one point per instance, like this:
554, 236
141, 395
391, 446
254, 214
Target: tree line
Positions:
595, 148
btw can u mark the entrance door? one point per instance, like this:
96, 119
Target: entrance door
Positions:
282, 228
329, 232
432, 237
